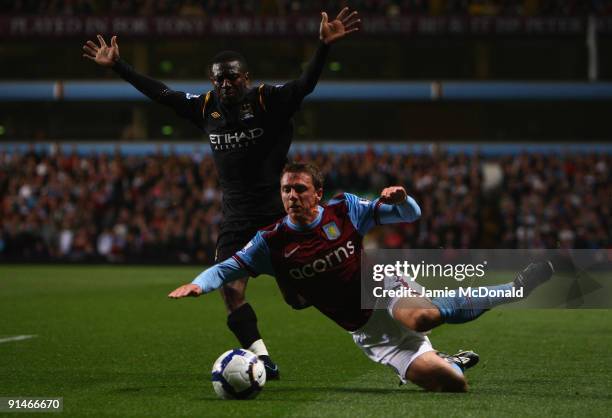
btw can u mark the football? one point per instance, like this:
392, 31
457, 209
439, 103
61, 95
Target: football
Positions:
238, 374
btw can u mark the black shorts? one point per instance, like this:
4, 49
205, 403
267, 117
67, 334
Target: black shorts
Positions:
233, 236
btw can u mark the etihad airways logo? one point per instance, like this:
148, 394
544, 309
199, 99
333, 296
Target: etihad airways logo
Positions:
237, 139
322, 264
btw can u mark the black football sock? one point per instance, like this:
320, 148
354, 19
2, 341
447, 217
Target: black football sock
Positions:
243, 323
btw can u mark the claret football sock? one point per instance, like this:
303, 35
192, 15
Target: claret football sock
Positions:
243, 323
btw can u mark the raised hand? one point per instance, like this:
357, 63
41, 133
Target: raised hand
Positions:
102, 54
342, 25
186, 290
393, 195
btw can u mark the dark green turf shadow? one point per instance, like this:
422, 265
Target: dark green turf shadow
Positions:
362, 390
130, 387
286, 394
533, 393
132, 390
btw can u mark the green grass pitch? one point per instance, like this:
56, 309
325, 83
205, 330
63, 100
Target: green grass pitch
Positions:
110, 343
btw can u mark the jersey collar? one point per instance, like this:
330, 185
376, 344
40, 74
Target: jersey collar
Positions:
308, 227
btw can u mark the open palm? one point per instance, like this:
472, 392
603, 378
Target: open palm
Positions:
102, 54
342, 25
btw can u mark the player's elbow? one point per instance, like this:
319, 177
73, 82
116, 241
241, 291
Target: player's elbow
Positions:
415, 209
304, 87
310, 88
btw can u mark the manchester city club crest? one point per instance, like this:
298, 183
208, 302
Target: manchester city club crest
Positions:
331, 231
246, 111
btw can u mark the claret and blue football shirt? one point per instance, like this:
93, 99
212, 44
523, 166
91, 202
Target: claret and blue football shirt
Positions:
320, 261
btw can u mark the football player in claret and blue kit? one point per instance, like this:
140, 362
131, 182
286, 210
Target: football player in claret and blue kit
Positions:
314, 253
250, 131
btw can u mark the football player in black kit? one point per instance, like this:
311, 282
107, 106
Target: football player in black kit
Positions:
250, 131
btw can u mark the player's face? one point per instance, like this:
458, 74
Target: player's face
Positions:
300, 197
229, 80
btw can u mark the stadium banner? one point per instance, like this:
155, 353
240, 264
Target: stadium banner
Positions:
17, 27
581, 278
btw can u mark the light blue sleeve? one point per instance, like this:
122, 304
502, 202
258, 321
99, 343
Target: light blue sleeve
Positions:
255, 256
220, 274
366, 214
252, 260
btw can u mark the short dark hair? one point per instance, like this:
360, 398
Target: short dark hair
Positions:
227, 56
313, 170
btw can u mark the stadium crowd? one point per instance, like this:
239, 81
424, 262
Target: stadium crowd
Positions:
291, 7
167, 208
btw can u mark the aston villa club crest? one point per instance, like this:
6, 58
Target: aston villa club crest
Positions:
331, 231
246, 111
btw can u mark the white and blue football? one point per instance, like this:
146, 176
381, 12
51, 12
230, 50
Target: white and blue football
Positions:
238, 374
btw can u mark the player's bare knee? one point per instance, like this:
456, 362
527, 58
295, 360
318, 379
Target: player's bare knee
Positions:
425, 320
233, 297
433, 374
456, 383
231, 307
451, 387
233, 302
419, 320
452, 382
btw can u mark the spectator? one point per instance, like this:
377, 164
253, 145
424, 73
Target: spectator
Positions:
159, 208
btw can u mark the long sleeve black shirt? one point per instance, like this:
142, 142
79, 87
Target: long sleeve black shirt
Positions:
249, 140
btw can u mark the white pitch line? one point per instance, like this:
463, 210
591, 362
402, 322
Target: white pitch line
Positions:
17, 338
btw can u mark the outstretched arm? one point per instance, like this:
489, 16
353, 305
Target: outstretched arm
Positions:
102, 54
291, 94
252, 260
396, 206
108, 56
344, 24
329, 32
211, 279
393, 206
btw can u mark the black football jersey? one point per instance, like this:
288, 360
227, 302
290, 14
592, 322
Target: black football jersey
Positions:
250, 142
